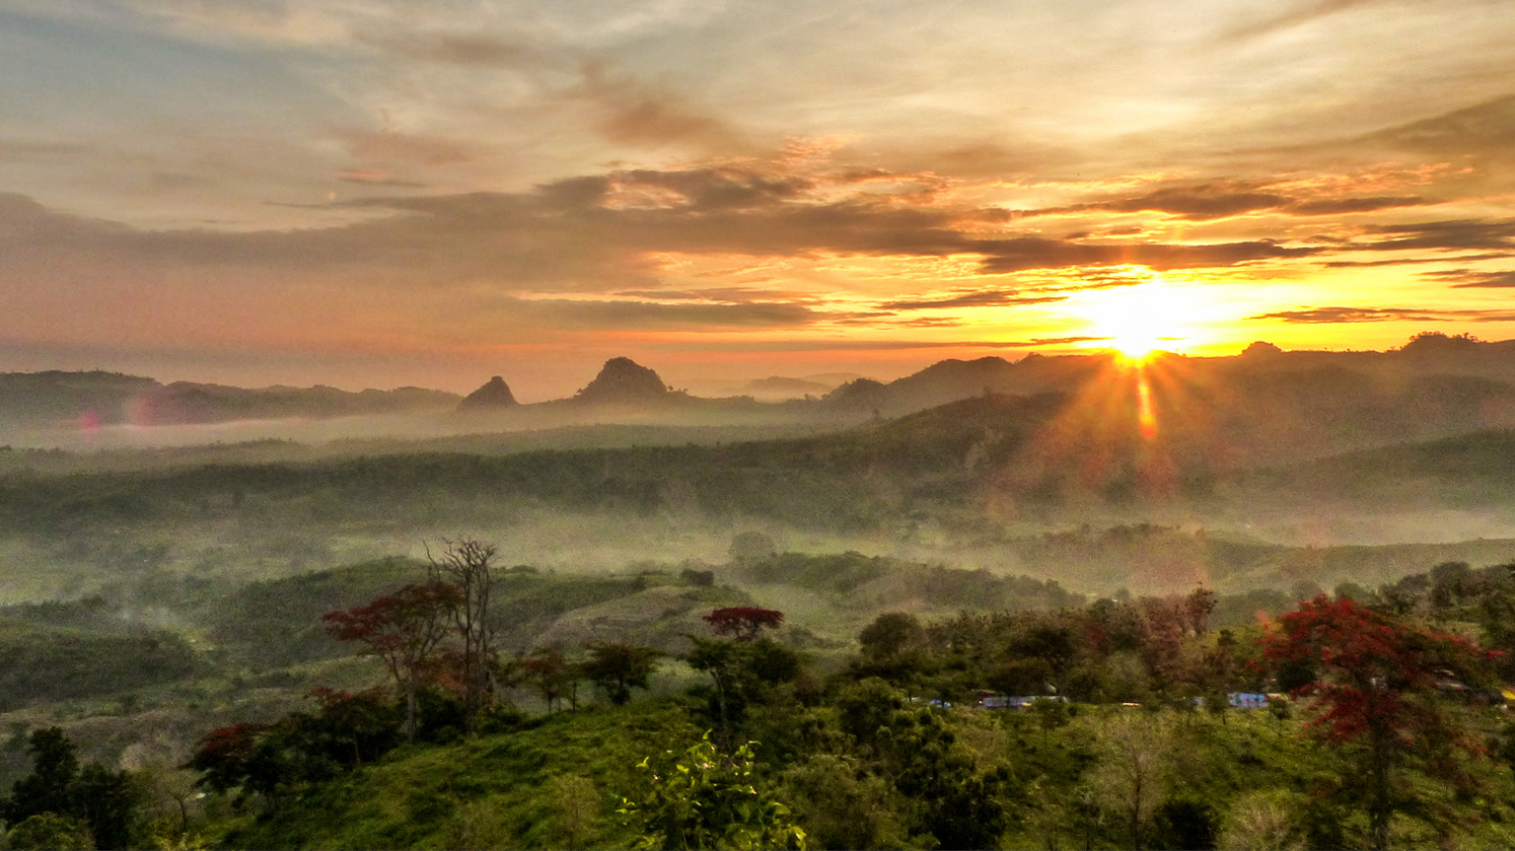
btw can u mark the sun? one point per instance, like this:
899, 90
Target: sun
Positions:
1140, 319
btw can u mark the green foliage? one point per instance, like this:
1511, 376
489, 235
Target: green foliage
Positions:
60, 802
49, 830
702, 799
843, 805
497, 785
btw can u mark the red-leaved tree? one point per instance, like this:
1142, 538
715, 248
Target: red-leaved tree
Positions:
405, 630
1380, 690
743, 623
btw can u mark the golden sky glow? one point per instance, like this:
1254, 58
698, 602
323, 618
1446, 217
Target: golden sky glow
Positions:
378, 192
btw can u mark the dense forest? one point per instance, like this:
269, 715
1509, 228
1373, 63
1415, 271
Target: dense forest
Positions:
464, 702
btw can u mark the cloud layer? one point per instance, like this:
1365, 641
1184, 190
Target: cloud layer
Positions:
513, 179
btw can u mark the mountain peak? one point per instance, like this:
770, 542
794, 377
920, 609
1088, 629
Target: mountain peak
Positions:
624, 380
494, 394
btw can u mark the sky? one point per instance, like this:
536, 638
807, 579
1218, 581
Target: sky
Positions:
376, 193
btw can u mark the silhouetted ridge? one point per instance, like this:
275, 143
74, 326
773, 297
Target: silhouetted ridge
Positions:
494, 394
624, 380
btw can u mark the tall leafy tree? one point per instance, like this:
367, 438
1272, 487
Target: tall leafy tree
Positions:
1378, 691
55, 771
404, 630
741, 662
103, 801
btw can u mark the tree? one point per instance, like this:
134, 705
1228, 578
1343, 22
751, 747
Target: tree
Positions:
890, 635
1376, 689
1050, 715
467, 565
743, 623
617, 668
55, 770
102, 801
404, 629
894, 648
107, 801
1197, 609
718, 658
743, 667
550, 674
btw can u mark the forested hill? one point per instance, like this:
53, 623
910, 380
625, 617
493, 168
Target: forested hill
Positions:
849, 480
960, 465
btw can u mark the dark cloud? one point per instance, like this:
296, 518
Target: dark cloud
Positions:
1198, 205
722, 295
1460, 234
865, 175
1483, 131
1415, 261
720, 188
923, 322
1346, 315
1016, 255
1338, 206
1406, 261
1463, 278
1195, 203
977, 298
1208, 202
871, 345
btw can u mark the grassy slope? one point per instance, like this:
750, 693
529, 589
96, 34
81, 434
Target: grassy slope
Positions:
497, 791
494, 791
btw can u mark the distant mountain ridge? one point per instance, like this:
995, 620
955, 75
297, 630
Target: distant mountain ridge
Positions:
1429, 354
1261, 404
110, 398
